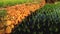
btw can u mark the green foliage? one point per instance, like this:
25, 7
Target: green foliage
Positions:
3, 13
4, 3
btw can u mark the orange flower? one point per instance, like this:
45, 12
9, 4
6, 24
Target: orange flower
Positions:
19, 12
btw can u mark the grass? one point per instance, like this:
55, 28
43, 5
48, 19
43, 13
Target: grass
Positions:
4, 3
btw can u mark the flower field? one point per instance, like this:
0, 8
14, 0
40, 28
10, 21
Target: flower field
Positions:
29, 16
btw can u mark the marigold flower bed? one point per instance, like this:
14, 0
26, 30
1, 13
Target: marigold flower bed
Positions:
15, 14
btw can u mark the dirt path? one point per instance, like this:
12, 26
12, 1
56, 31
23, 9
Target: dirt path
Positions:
19, 12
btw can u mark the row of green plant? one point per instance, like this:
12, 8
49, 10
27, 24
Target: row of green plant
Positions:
4, 3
